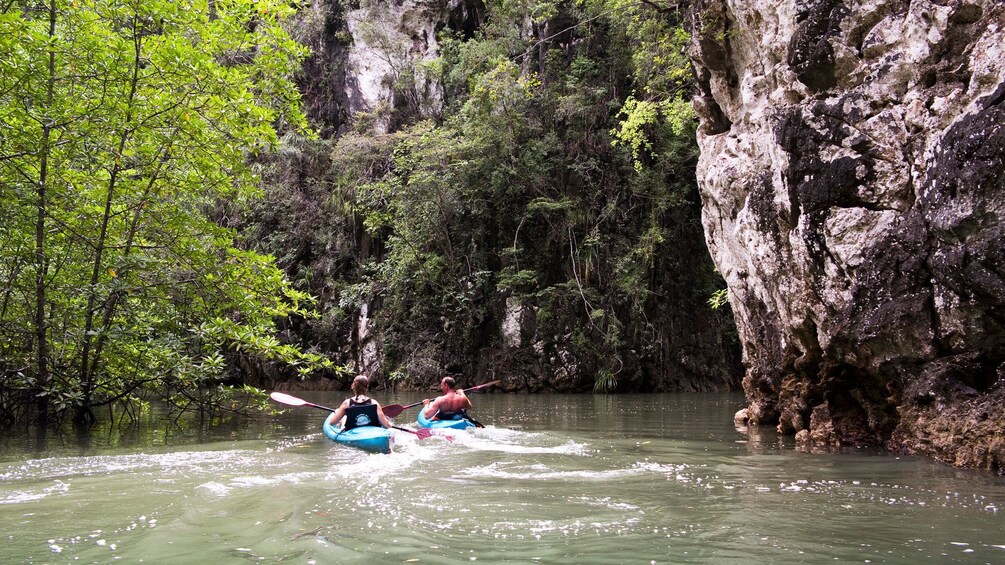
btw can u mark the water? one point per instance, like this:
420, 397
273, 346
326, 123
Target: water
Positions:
551, 479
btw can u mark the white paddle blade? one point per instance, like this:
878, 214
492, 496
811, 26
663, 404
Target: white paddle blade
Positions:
287, 399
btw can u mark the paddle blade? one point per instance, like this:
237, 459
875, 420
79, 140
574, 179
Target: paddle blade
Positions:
423, 433
392, 410
287, 399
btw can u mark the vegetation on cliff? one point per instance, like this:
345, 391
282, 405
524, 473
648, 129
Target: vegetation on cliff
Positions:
536, 174
551, 188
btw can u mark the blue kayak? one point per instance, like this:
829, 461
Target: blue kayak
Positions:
368, 438
458, 423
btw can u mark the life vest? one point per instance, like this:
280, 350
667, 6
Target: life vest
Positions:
362, 413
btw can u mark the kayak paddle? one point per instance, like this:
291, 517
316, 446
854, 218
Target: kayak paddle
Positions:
423, 433
392, 410
294, 401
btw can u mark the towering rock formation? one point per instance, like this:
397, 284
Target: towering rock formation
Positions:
852, 171
373, 71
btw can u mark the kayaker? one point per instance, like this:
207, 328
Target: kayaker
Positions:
359, 409
451, 404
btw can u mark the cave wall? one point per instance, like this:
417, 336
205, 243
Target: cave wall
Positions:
852, 184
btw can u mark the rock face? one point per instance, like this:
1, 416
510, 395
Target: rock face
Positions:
852, 171
360, 72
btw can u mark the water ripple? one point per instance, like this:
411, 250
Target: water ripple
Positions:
32, 495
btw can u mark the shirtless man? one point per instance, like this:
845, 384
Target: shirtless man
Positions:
449, 405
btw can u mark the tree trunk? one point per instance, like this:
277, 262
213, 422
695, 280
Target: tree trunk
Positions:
88, 368
41, 261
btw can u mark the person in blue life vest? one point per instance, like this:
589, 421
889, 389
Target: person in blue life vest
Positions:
448, 406
359, 409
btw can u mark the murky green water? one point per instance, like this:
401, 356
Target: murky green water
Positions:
552, 479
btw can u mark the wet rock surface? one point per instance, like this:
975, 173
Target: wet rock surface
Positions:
852, 177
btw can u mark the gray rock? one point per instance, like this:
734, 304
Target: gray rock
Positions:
852, 176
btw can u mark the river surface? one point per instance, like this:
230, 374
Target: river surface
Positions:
550, 479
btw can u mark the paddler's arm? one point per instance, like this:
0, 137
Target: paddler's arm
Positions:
338, 414
380, 416
430, 407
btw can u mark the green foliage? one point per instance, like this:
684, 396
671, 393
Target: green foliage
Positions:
719, 299
605, 382
523, 282
125, 123
638, 115
569, 224
560, 172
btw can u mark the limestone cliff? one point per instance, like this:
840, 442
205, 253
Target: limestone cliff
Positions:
362, 70
852, 181
510, 292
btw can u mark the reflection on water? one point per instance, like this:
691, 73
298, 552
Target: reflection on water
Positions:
552, 479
